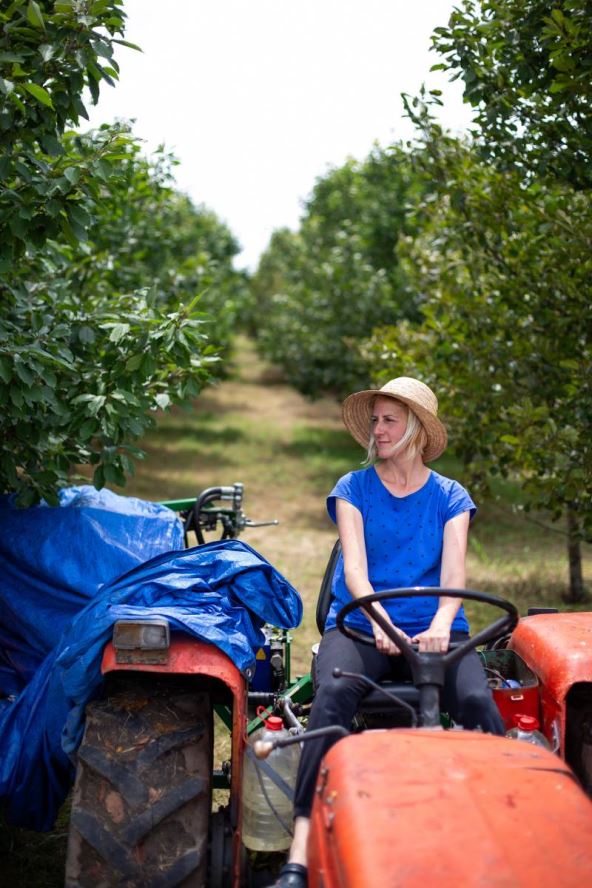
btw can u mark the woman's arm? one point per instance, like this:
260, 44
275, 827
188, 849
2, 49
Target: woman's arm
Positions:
355, 563
452, 576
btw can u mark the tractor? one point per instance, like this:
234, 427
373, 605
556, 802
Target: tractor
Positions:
405, 796
142, 800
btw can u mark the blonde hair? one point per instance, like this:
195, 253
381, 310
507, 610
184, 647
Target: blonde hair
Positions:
414, 440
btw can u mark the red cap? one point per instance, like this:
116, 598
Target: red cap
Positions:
526, 722
272, 722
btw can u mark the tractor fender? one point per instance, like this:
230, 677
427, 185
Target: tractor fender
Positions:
558, 649
189, 657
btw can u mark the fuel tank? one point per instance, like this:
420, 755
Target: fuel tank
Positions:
408, 807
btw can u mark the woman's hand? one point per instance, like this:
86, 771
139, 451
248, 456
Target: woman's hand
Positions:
383, 643
435, 639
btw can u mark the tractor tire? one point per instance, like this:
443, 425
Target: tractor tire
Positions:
142, 797
578, 745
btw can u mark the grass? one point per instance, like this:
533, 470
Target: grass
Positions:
289, 452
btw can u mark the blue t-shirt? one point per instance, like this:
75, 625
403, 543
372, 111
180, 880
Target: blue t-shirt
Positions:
404, 537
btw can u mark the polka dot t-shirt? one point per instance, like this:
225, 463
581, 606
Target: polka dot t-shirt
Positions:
404, 538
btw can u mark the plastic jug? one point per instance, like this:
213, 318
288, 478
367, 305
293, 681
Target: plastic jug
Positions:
527, 730
267, 810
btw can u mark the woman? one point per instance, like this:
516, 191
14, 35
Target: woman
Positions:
400, 525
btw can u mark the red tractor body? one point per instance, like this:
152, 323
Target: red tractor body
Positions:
427, 806
558, 649
411, 805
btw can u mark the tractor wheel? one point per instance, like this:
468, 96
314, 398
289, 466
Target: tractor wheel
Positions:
578, 745
142, 797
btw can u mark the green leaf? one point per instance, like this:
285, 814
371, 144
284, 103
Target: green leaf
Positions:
5, 369
69, 231
23, 373
51, 145
72, 174
16, 396
46, 52
114, 475
128, 44
16, 101
100, 6
134, 362
77, 212
86, 335
118, 332
102, 48
95, 403
87, 429
35, 15
39, 93
9, 57
163, 401
99, 477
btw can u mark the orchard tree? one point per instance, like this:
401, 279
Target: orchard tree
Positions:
82, 368
321, 290
527, 72
145, 233
503, 269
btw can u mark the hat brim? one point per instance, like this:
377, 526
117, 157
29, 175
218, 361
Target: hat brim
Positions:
356, 412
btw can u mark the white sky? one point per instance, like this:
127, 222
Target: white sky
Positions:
257, 98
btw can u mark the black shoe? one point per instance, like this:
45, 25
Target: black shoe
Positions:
292, 875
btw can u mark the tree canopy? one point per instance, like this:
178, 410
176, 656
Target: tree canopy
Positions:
101, 261
317, 292
527, 71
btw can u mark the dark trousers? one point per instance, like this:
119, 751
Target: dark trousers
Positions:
466, 697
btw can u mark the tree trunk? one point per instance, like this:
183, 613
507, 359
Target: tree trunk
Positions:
577, 593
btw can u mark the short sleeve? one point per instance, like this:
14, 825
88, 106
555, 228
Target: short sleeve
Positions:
459, 501
348, 489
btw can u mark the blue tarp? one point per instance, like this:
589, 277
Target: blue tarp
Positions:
221, 592
53, 560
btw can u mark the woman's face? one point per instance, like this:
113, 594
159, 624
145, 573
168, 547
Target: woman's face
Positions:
388, 424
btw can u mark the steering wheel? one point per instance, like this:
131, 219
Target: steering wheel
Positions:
416, 660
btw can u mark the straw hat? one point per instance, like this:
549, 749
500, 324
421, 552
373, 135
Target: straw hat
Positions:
357, 412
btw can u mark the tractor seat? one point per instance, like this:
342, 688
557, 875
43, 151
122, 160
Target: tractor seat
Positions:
374, 703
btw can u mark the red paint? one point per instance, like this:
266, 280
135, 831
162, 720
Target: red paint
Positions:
514, 701
402, 808
187, 657
558, 648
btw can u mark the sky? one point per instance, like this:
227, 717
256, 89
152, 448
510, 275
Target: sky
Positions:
258, 98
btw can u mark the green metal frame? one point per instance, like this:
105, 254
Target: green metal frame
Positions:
179, 505
299, 692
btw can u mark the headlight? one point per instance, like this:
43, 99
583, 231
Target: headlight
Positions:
153, 635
